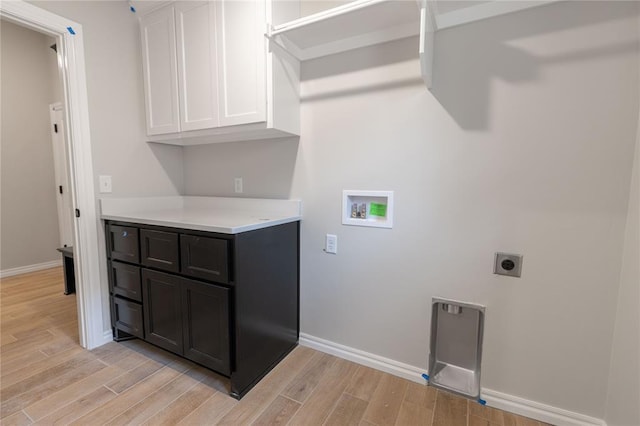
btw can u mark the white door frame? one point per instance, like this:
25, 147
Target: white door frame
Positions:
86, 253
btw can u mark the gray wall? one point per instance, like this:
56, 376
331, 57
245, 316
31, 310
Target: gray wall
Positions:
116, 101
524, 145
623, 403
29, 216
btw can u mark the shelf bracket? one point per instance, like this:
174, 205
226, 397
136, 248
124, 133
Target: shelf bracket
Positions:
427, 33
280, 42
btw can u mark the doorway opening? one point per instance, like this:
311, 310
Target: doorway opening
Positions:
69, 44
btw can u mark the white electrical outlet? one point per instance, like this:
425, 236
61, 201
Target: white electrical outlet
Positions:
237, 185
331, 244
105, 184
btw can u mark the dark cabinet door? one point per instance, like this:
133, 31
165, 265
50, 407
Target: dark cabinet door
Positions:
204, 257
127, 316
205, 314
123, 243
124, 280
162, 310
159, 249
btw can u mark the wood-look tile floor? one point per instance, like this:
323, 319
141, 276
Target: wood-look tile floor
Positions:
47, 378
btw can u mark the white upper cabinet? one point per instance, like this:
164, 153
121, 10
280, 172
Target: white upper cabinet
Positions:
159, 67
197, 73
241, 59
210, 75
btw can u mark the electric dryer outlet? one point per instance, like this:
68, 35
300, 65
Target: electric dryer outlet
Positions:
508, 264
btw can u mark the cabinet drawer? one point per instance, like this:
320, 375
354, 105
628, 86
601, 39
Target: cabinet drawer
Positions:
123, 243
124, 280
127, 316
159, 249
204, 257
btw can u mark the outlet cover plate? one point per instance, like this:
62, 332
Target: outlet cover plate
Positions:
105, 184
237, 185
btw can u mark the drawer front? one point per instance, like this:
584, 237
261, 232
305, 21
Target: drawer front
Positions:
124, 280
123, 243
204, 257
159, 249
127, 316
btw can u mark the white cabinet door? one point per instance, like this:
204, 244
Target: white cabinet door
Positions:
241, 61
160, 75
197, 73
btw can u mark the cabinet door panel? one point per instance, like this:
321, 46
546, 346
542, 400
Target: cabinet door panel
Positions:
159, 249
160, 71
241, 60
123, 243
205, 313
162, 310
124, 280
204, 257
197, 73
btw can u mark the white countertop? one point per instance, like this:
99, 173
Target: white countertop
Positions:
210, 214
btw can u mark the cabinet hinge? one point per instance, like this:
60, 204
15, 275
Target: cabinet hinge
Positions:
77, 212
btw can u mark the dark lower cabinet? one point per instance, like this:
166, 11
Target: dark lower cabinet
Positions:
162, 310
205, 317
227, 302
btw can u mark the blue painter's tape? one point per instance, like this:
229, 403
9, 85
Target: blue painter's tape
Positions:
133, 9
426, 377
482, 401
71, 31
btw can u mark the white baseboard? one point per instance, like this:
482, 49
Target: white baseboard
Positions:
107, 337
538, 411
510, 403
387, 365
29, 268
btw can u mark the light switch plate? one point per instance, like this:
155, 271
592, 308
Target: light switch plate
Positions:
105, 184
331, 244
237, 185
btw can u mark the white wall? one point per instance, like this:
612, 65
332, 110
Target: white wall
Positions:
623, 402
525, 145
29, 216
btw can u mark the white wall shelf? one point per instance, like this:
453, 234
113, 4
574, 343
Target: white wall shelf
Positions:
350, 26
367, 208
363, 23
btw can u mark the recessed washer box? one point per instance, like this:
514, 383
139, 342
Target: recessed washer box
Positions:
455, 354
367, 208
